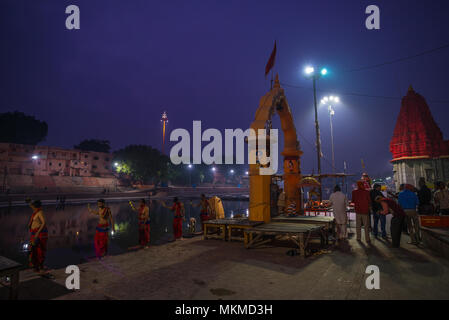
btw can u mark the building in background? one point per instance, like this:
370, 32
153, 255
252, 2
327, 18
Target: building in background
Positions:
18, 159
417, 146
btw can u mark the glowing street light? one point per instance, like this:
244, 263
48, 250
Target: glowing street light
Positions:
213, 169
34, 157
231, 171
115, 164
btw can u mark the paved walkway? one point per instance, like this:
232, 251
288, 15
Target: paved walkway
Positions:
213, 269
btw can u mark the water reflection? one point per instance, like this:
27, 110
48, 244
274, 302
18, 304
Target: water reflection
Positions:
71, 231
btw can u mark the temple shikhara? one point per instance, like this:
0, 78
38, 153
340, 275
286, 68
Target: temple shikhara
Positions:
417, 146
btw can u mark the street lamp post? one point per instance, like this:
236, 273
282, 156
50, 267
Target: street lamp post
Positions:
329, 101
310, 72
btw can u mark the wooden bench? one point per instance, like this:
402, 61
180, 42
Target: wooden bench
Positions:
9, 268
223, 228
240, 226
218, 228
327, 222
299, 234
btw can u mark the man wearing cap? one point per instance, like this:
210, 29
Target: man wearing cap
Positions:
362, 204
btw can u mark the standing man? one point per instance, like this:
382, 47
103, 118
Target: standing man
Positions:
144, 222
376, 208
424, 197
339, 202
362, 202
38, 237
178, 209
441, 197
391, 207
409, 202
281, 201
205, 208
101, 239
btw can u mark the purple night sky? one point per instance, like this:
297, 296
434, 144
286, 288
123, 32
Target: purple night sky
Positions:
205, 60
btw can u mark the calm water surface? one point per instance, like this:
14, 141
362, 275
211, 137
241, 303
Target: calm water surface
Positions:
71, 231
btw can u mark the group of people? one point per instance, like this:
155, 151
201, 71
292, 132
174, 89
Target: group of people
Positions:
405, 208
39, 234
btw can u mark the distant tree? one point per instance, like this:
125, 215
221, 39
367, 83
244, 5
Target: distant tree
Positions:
17, 127
146, 164
94, 145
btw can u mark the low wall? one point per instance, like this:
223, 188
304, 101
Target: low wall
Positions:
26, 184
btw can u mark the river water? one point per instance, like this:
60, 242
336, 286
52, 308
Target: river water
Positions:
71, 231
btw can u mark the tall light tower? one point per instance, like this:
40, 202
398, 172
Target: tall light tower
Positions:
311, 73
164, 121
329, 101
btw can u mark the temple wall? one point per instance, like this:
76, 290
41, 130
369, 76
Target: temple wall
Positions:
409, 171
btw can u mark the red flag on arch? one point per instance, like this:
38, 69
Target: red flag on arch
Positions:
270, 63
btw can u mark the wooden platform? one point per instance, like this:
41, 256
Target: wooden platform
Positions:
298, 233
220, 228
11, 269
327, 222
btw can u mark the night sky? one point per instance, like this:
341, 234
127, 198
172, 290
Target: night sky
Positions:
205, 60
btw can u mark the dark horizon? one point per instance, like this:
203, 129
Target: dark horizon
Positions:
129, 62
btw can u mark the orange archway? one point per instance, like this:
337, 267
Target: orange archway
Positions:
259, 199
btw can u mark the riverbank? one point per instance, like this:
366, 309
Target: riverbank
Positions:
213, 269
76, 198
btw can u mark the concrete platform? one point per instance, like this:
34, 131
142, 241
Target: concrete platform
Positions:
213, 269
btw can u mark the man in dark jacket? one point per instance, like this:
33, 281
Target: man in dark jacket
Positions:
376, 209
425, 198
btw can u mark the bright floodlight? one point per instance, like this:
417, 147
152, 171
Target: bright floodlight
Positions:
309, 70
323, 71
190, 166
331, 98
34, 157
337, 99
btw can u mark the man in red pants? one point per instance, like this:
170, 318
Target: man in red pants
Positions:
204, 211
144, 222
38, 237
101, 238
178, 209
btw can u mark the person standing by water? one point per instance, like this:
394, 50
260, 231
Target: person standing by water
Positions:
376, 208
339, 202
179, 211
408, 200
362, 203
144, 222
390, 206
101, 239
205, 208
38, 237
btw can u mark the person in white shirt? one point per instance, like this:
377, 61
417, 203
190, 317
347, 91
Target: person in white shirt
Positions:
339, 202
